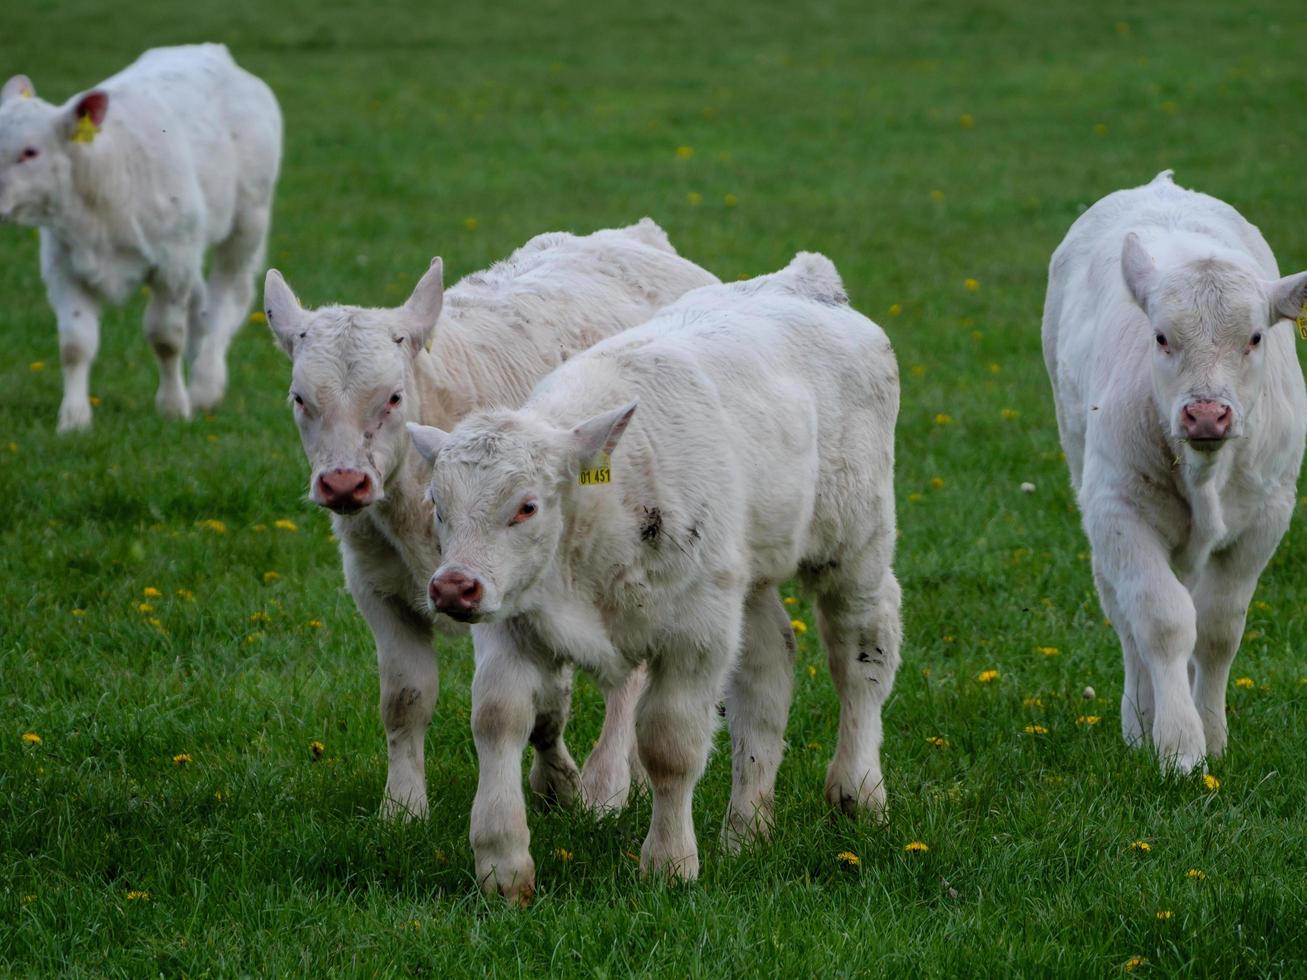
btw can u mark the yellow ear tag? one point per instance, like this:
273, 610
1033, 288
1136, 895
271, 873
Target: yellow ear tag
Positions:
599, 470
85, 131
25, 92
1302, 322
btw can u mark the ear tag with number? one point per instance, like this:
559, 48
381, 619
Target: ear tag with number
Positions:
1302, 322
85, 131
598, 470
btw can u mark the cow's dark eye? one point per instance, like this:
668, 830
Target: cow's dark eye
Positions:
297, 399
29, 153
1255, 339
395, 399
1161, 340
525, 512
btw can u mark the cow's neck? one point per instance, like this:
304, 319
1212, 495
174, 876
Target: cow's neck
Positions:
1203, 477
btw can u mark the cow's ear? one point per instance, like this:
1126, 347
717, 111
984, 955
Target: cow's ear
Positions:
427, 439
599, 434
82, 122
1289, 297
283, 310
18, 87
1138, 269
422, 309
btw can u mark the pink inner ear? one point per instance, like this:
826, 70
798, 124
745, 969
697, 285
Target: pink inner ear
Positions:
94, 105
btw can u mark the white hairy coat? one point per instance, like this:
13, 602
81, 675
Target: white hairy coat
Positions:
359, 374
1160, 298
184, 161
762, 446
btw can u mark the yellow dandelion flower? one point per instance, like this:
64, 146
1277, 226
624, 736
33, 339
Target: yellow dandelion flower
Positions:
269, 577
150, 592
937, 196
1196, 874
144, 607
949, 638
156, 622
916, 847
937, 482
730, 200
260, 617
470, 224
562, 853
1141, 846
186, 594
942, 419
37, 365
799, 626
314, 624
1088, 720
1009, 414
1049, 651
631, 855
812, 671
849, 858
987, 676
1165, 915
967, 120
1243, 682
1032, 702
29, 899
181, 759
258, 316
285, 525
1170, 108
219, 795
316, 749
212, 438
79, 612
1134, 963
918, 371
971, 284
995, 367
938, 741
1259, 604
1210, 782
1100, 129
253, 638
684, 152
138, 896
789, 600
1035, 730
895, 309
916, 498
209, 524
695, 198
31, 738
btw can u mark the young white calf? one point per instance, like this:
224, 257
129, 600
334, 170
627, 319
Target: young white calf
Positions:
132, 182
359, 374
763, 445
1182, 412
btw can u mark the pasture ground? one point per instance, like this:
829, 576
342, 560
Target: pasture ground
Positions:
919, 147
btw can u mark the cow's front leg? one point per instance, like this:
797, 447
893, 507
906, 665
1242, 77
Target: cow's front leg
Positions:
504, 693
78, 317
408, 669
1159, 614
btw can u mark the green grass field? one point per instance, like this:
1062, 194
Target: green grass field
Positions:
918, 147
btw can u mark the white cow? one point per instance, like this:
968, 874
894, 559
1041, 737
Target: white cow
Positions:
763, 446
132, 182
1182, 412
359, 374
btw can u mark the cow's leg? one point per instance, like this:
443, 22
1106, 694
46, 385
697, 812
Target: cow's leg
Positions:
757, 709
408, 669
674, 725
1137, 691
504, 692
1221, 596
230, 292
166, 316
78, 316
607, 774
554, 776
1159, 614
858, 617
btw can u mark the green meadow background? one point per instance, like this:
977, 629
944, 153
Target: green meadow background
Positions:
920, 146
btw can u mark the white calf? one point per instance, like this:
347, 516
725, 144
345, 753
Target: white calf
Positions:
132, 182
359, 374
1182, 412
763, 445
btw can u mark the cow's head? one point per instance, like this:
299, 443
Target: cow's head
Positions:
352, 385
37, 144
1210, 318
498, 489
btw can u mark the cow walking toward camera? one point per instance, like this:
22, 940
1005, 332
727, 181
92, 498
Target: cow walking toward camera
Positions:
133, 182
585, 530
1182, 412
359, 374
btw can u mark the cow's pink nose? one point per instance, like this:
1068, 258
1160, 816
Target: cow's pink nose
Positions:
1207, 420
344, 490
455, 594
